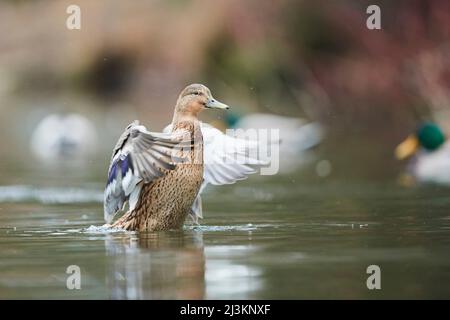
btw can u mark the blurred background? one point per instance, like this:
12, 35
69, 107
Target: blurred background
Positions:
314, 60
310, 232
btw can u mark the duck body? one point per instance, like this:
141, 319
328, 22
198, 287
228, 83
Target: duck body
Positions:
63, 137
165, 203
432, 166
297, 136
428, 151
160, 175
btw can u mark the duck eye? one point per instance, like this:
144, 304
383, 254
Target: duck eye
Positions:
196, 93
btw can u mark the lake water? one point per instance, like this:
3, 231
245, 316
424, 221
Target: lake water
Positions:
266, 237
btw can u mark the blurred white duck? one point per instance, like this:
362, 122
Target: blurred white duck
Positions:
63, 136
429, 151
297, 135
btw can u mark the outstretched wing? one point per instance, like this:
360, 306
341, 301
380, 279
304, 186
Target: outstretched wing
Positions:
139, 157
226, 159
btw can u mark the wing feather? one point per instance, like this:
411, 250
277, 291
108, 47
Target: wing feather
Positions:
226, 159
139, 157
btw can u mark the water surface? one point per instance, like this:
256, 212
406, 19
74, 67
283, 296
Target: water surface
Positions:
266, 237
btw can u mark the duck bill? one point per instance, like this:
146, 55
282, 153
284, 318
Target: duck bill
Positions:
407, 148
214, 104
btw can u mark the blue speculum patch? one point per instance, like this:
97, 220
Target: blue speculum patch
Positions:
112, 173
124, 166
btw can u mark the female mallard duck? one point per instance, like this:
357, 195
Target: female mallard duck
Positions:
161, 175
431, 151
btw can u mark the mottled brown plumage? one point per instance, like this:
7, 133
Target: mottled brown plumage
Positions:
164, 202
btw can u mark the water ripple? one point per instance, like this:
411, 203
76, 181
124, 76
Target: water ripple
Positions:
22, 193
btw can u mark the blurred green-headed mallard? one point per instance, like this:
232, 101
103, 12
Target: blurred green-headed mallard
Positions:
298, 136
428, 152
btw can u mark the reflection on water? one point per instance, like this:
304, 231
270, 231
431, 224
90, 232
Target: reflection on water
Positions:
259, 239
172, 265
156, 266
226, 279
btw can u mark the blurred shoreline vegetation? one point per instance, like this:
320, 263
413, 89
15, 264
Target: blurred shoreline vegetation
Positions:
310, 59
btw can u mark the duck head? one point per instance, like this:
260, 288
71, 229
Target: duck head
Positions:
428, 136
196, 98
